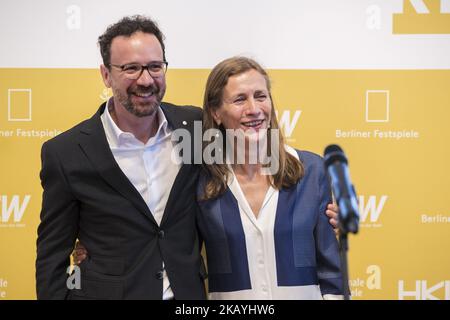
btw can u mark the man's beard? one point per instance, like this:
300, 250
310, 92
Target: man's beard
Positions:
141, 109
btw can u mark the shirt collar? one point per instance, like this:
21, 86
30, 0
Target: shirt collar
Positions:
116, 137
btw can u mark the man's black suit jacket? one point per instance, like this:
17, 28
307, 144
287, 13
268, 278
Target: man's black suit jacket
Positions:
87, 196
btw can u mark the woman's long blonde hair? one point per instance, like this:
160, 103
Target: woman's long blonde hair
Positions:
290, 169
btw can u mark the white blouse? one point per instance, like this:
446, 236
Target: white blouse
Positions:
259, 240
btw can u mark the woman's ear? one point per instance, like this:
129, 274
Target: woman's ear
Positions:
216, 116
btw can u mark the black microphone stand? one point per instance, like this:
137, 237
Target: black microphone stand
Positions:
343, 249
348, 222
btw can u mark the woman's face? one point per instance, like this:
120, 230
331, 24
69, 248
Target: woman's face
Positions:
246, 103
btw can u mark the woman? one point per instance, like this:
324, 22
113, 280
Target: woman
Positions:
266, 235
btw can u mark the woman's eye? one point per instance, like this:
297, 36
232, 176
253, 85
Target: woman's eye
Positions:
261, 97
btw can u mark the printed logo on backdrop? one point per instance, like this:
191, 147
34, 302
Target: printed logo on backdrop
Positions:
423, 290
359, 286
20, 110
13, 210
3, 288
422, 17
377, 111
105, 95
434, 218
370, 209
19, 105
288, 122
377, 106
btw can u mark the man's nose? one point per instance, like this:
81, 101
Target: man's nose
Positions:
145, 78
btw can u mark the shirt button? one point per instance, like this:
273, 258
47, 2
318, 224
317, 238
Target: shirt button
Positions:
161, 234
159, 275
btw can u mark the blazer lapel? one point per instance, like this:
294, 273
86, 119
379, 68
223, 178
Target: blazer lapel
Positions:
94, 144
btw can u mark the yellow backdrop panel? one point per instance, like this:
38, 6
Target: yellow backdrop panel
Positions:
393, 126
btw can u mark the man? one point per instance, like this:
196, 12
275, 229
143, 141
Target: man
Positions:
109, 182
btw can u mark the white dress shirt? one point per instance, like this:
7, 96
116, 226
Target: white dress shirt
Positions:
147, 166
259, 240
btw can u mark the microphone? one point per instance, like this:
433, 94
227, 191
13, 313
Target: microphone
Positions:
336, 164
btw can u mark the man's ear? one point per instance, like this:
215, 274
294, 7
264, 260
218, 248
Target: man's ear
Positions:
106, 75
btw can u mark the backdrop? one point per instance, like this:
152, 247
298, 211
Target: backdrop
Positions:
370, 75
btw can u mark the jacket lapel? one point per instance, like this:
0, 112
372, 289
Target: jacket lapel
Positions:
94, 144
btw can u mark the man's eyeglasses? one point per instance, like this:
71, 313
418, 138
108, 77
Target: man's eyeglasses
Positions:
134, 71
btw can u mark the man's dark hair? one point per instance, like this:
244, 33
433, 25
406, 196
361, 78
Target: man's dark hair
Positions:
126, 27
